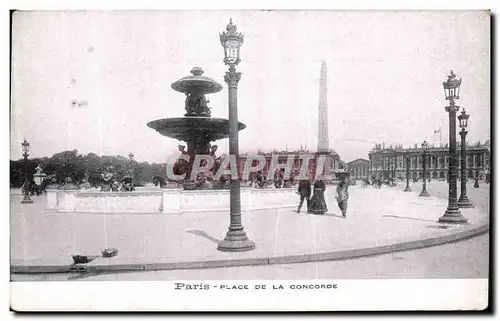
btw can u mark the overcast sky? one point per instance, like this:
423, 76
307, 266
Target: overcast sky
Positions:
385, 74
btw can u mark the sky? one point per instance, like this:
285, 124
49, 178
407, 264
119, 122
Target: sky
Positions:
385, 72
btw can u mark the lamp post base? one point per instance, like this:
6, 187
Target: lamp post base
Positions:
464, 202
236, 240
26, 199
452, 216
424, 193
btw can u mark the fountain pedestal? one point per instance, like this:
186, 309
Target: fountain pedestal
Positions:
197, 128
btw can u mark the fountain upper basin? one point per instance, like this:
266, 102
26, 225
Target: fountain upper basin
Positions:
183, 128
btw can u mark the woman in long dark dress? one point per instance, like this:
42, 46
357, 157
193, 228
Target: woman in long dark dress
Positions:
317, 204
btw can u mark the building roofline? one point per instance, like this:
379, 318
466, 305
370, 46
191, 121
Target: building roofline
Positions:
358, 159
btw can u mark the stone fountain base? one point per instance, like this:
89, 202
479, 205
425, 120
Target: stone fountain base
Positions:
166, 201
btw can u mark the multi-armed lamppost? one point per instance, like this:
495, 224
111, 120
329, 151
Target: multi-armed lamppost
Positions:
236, 239
463, 201
425, 152
26, 148
408, 189
452, 92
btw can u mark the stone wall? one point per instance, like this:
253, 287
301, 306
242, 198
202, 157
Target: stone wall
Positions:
167, 201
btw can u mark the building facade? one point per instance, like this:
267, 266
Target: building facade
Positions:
391, 162
332, 161
359, 168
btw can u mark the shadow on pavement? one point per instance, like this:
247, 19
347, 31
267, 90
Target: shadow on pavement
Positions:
410, 218
326, 214
204, 234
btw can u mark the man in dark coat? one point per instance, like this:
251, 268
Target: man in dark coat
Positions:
304, 192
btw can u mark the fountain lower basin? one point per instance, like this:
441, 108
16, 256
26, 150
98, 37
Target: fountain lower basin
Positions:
166, 201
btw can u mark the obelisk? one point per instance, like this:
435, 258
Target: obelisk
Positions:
323, 144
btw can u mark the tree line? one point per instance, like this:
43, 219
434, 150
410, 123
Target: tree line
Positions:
78, 166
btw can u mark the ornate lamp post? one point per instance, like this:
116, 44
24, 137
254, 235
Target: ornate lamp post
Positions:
26, 148
407, 189
463, 201
131, 164
425, 147
236, 238
130, 161
452, 91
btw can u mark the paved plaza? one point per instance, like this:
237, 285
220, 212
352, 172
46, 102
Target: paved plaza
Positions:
379, 221
464, 259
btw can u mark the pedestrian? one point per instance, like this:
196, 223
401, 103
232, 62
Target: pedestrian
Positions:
260, 179
317, 204
305, 193
342, 195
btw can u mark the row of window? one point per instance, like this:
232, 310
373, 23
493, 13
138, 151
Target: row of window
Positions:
437, 161
432, 174
441, 162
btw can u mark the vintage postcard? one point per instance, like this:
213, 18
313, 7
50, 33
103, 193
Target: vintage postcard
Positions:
253, 160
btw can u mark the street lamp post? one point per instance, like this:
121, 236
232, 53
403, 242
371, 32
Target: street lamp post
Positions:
236, 238
394, 165
131, 164
407, 189
424, 169
26, 147
463, 201
452, 92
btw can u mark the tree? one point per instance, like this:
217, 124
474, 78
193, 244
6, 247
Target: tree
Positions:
78, 166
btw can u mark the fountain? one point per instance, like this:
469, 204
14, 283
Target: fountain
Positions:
197, 128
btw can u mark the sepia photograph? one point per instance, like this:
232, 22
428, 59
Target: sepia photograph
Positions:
250, 160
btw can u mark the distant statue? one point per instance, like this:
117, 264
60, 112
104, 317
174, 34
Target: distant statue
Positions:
51, 182
213, 149
278, 179
127, 185
84, 184
115, 186
201, 180
158, 180
38, 170
107, 178
260, 179
182, 166
68, 184
196, 104
209, 183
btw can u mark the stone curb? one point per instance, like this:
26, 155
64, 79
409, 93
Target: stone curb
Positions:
300, 258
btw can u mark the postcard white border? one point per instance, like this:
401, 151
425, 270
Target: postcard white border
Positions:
290, 295
79, 293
